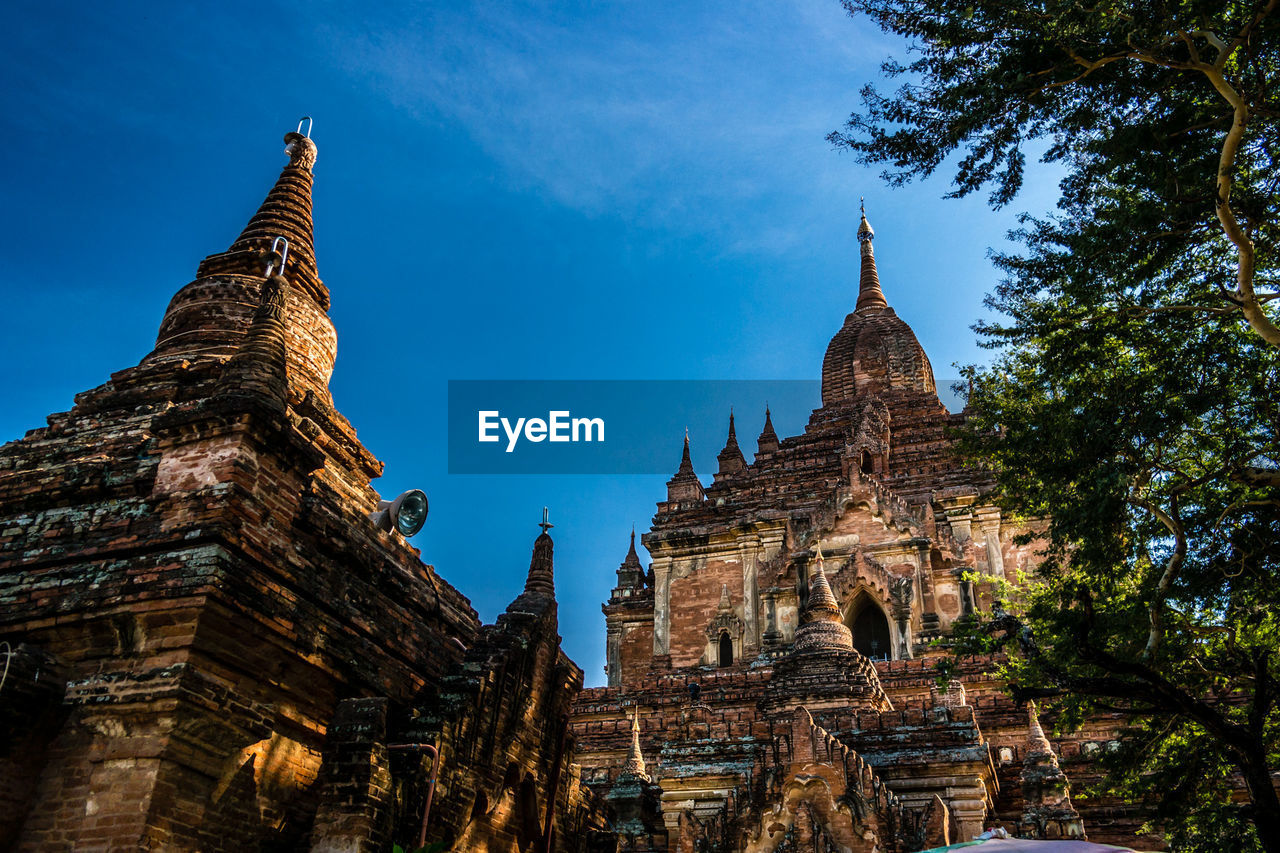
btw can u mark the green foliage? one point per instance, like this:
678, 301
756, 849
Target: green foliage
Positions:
1133, 400
433, 847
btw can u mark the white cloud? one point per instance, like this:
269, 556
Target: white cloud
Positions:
696, 117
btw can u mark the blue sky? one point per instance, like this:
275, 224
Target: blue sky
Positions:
504, 191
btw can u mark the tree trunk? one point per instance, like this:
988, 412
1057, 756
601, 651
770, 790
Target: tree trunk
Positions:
1266, 804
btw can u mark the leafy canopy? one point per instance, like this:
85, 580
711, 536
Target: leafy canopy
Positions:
1132, 403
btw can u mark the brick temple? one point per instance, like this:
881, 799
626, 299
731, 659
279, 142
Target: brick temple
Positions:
210, 644
771, 676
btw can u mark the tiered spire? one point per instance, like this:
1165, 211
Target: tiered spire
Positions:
768, 440
286, 212
207, 320
726, 605
685, 485
631, 572
686, 463
634, 766
1037, 743
632, 559
869, 293
1047, 811
821, 627
731, 459
541, 580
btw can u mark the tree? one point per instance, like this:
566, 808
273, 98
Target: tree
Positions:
1133, 401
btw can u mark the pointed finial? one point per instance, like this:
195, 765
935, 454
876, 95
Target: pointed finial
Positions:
768, 440
865, 232
285, 212
541, 579
869, 293
545, 524
632, 558
1037, 743
684, 485
686, 463
634, 764
818, 547
821, 626
731, 459
862, 204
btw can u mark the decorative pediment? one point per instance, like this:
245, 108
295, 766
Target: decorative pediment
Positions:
728, 622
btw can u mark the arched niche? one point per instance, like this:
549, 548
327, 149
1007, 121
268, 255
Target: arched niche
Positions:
725, 657
869, 624
725, 634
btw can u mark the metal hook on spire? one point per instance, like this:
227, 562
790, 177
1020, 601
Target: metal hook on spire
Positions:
277, 256
307, 119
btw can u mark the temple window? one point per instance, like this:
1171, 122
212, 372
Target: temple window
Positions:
726, 649
870, 631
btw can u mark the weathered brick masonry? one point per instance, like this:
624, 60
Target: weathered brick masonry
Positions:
213, 646
776, 658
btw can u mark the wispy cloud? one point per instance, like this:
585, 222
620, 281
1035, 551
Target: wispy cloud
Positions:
712, 119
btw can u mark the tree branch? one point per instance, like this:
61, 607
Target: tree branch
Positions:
1250, 307
1156, 611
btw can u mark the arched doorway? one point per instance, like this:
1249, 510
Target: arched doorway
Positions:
726, 649
870, 629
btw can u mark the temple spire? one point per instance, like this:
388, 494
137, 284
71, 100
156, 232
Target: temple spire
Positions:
685, 487
768, 440
630, 573
821, 627
1037, 743
1047, 811
870, 296
686, 464
634, 765
207, 320
541, 580
286, 212
730, 459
